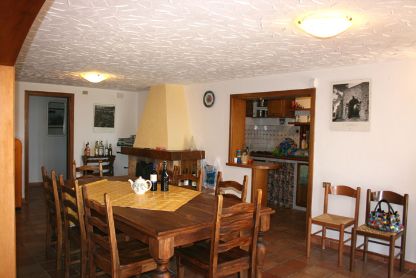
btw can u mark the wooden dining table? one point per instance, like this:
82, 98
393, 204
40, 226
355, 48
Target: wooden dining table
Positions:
165, 230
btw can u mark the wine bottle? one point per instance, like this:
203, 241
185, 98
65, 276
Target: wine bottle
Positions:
101, 149
153, 178
96, 147
110, 150
164, 178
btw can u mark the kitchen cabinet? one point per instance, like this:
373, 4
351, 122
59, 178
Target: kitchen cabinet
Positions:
302, 185
280, 108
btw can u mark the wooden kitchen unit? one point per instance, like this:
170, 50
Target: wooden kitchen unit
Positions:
259, 175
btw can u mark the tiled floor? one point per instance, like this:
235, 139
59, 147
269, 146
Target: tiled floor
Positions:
285, 249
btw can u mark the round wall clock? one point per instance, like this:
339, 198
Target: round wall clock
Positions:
209, 99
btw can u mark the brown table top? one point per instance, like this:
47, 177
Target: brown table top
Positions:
194, 216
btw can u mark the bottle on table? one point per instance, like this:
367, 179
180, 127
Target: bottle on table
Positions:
304, 142
164, 178
101, 149
110, 150
87, 151
96, 147
153, 178
106, 151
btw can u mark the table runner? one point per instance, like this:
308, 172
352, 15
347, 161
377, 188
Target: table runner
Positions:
122, 195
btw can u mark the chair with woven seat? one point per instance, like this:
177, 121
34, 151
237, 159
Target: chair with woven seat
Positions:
54, 233
87, 171
383, 238
118, 259
74, 235
178, 178
231, 188
232, 248
332, 221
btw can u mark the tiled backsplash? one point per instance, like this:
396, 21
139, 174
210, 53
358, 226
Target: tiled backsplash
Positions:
264, 134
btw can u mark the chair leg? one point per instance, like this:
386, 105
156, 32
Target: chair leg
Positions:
48, 241
308, 238
341, 246
391, 257
353, 246
365, 249
67, 250
179, 268
402, 251
323, 237
92, 266
59, 251
83, 258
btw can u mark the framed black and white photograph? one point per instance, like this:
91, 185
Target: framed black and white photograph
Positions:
104, 117
351, 105
56, 118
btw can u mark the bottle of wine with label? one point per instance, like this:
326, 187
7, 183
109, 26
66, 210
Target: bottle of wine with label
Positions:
164, 178
153, 178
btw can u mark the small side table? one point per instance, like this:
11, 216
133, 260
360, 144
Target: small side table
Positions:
107, 162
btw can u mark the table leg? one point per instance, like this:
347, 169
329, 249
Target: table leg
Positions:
161, 250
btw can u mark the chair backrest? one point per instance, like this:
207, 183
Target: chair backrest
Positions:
87, 170
198, 179
101, 233
53, 203
236, 226
73, 206
232, 186
392, 198
343, 190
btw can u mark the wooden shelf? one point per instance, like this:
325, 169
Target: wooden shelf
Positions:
164, 154
256, 165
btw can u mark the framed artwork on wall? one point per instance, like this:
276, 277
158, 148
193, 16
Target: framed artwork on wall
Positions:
56, 118
104, 117
351, 106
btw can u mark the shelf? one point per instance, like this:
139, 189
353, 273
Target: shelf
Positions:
256, 165
299, 123
302, 109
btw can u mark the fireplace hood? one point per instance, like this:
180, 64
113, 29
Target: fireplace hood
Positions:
165, 120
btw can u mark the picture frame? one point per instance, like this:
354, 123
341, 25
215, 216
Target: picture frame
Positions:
350, 109
104, 117
56, 118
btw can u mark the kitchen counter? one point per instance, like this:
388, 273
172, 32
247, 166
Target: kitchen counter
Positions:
259, 176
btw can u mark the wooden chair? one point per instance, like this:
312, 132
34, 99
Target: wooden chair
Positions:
224, 255
197, 179
87, 171
332, 221
387, 238
119, 259
54, 233
74, 227
238, 190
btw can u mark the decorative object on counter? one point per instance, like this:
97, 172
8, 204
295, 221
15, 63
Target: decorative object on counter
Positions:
209, 99
304, 142
164, 178
126, 142
351, 106
153, 178
238, 156
104, 117
140, 185
87, 151
110, 150
286, 148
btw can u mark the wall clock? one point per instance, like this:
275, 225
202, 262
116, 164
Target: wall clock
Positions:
209, 99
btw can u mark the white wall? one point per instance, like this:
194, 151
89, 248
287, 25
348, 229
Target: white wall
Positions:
382, 159
126, 119
45, 150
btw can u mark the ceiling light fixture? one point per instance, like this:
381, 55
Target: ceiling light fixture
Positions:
325, 24
94, 77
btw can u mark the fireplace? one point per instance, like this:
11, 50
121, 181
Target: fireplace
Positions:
142, 159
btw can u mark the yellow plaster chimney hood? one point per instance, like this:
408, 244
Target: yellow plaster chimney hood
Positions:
165, 121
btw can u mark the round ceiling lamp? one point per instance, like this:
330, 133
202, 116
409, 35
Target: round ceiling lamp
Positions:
94, 76
325, 24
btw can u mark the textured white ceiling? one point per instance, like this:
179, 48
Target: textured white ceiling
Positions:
186, 41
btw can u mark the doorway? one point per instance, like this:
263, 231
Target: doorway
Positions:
49, 130
277, 127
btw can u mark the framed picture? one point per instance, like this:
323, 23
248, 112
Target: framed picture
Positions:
104, 116
56, 118
351, 106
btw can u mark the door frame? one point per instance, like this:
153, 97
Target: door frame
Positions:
307, 92
70, 131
